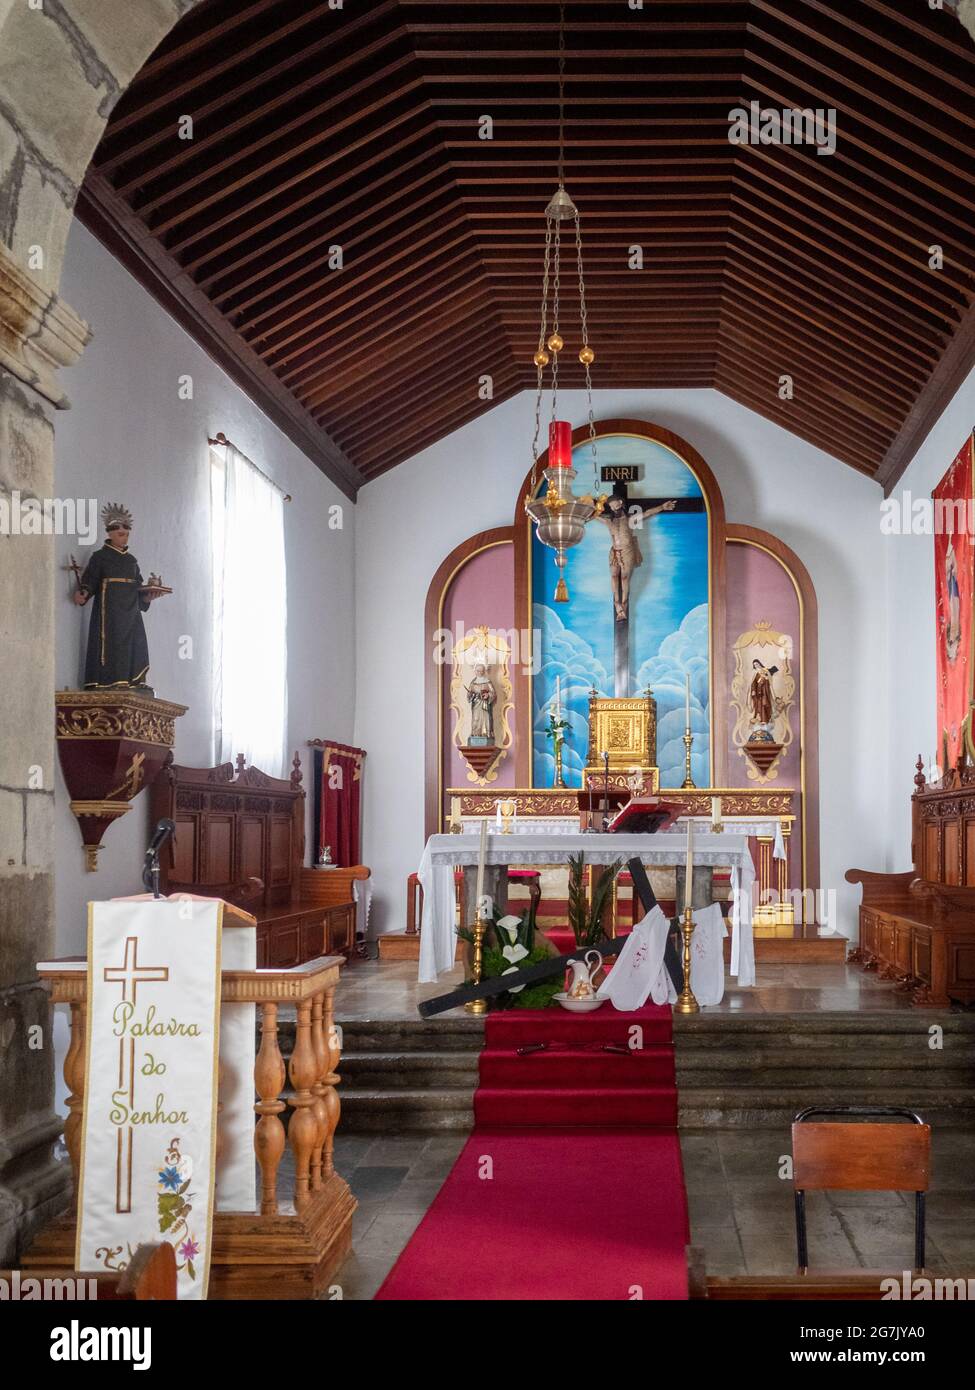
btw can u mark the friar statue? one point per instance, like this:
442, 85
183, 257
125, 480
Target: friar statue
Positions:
118, 654
481, 696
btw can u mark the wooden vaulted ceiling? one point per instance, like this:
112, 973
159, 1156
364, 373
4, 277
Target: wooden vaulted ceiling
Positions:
359, 127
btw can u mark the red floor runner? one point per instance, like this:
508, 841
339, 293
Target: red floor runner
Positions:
571, 1185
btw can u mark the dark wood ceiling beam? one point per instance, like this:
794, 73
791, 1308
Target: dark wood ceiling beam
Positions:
117, 227
798, 337
738, 390
431, 247
201, 225
884, 145
239, 291
207, 79
826, 323
816, 399
947, 379
952, 40
381, 461
747, 212
808, 277
459, 351
830, 25
899, 114
872, 393
314, 384
257, 238
323, 352
250, 160
361, 253
859, 203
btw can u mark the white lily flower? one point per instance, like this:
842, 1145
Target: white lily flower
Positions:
511, 925
514, 953
515, 989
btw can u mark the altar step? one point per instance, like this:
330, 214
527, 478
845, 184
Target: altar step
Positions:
756, 1071
733, 1071
773, 950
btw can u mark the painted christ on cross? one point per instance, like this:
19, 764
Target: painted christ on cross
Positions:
623, 517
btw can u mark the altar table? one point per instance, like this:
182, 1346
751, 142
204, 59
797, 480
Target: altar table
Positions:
443, 854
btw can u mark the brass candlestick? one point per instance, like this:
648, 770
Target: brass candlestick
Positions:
559, 779
688, 783
479, 1006
686, 1003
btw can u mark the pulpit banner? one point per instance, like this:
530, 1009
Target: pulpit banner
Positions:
149, 1131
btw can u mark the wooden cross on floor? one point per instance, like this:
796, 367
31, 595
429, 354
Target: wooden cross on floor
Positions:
620, 478
129, 975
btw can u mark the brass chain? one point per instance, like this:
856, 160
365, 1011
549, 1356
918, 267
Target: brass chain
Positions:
584, 323
539, 369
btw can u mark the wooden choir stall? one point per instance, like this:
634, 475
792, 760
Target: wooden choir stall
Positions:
918, 927
240, 835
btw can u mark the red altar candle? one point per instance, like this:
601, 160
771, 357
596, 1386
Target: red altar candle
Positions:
560, 444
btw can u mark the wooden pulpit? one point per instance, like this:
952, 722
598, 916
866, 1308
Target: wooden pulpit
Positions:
278, 1250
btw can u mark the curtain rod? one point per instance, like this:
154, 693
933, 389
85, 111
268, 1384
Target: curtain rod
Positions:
222, 439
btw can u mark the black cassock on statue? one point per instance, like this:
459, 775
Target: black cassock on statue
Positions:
118, 653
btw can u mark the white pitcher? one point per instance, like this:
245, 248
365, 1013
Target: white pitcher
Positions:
580, 985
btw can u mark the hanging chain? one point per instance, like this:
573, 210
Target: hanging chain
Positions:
556, 284
584, 324
561, 95
539, 368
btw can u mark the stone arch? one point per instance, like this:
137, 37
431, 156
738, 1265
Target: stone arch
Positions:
63, 66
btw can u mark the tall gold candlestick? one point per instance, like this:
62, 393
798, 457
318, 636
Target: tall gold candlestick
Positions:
688, 738
686, 1003
477, 1006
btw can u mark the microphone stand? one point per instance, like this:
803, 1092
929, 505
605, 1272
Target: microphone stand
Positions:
150, 868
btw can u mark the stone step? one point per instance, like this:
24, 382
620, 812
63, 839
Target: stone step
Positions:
392, 1110
369, 1070
768, 1107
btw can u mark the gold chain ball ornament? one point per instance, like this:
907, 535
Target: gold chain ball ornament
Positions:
556, 342
586, 356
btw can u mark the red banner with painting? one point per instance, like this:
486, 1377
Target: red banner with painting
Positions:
954, 577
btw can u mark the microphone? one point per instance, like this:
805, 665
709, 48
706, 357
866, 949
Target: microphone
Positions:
150, 868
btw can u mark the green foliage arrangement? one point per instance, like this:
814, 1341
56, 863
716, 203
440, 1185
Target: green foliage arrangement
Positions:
585, 918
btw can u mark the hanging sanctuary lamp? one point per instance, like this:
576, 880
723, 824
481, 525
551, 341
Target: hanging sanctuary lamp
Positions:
560, 516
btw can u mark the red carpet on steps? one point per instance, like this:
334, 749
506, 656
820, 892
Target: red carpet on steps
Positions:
570, 1186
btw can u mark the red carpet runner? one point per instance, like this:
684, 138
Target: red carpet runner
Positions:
570, 1186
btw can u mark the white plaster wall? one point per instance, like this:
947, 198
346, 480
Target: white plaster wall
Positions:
909, 568
408, 520
130, 438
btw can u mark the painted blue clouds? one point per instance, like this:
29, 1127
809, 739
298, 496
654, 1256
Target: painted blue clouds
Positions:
570, 657
682, 653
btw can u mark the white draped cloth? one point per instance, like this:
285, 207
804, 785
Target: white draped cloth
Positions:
443, 854
640, 974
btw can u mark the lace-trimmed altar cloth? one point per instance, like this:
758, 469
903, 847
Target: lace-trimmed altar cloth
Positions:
443, 854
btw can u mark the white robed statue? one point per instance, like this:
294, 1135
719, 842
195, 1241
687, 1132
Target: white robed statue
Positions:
482, 697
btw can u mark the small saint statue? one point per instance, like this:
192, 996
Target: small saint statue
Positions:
118, 653
761, 696
481, 696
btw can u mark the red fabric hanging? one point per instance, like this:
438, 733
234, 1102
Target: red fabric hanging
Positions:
341, 801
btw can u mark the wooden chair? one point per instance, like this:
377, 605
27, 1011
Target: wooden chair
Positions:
873, 1157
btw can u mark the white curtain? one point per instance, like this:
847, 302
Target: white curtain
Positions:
250, 614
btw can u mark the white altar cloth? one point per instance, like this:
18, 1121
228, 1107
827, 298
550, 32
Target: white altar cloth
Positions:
443, 854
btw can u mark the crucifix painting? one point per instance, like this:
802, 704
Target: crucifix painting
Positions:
644, 624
